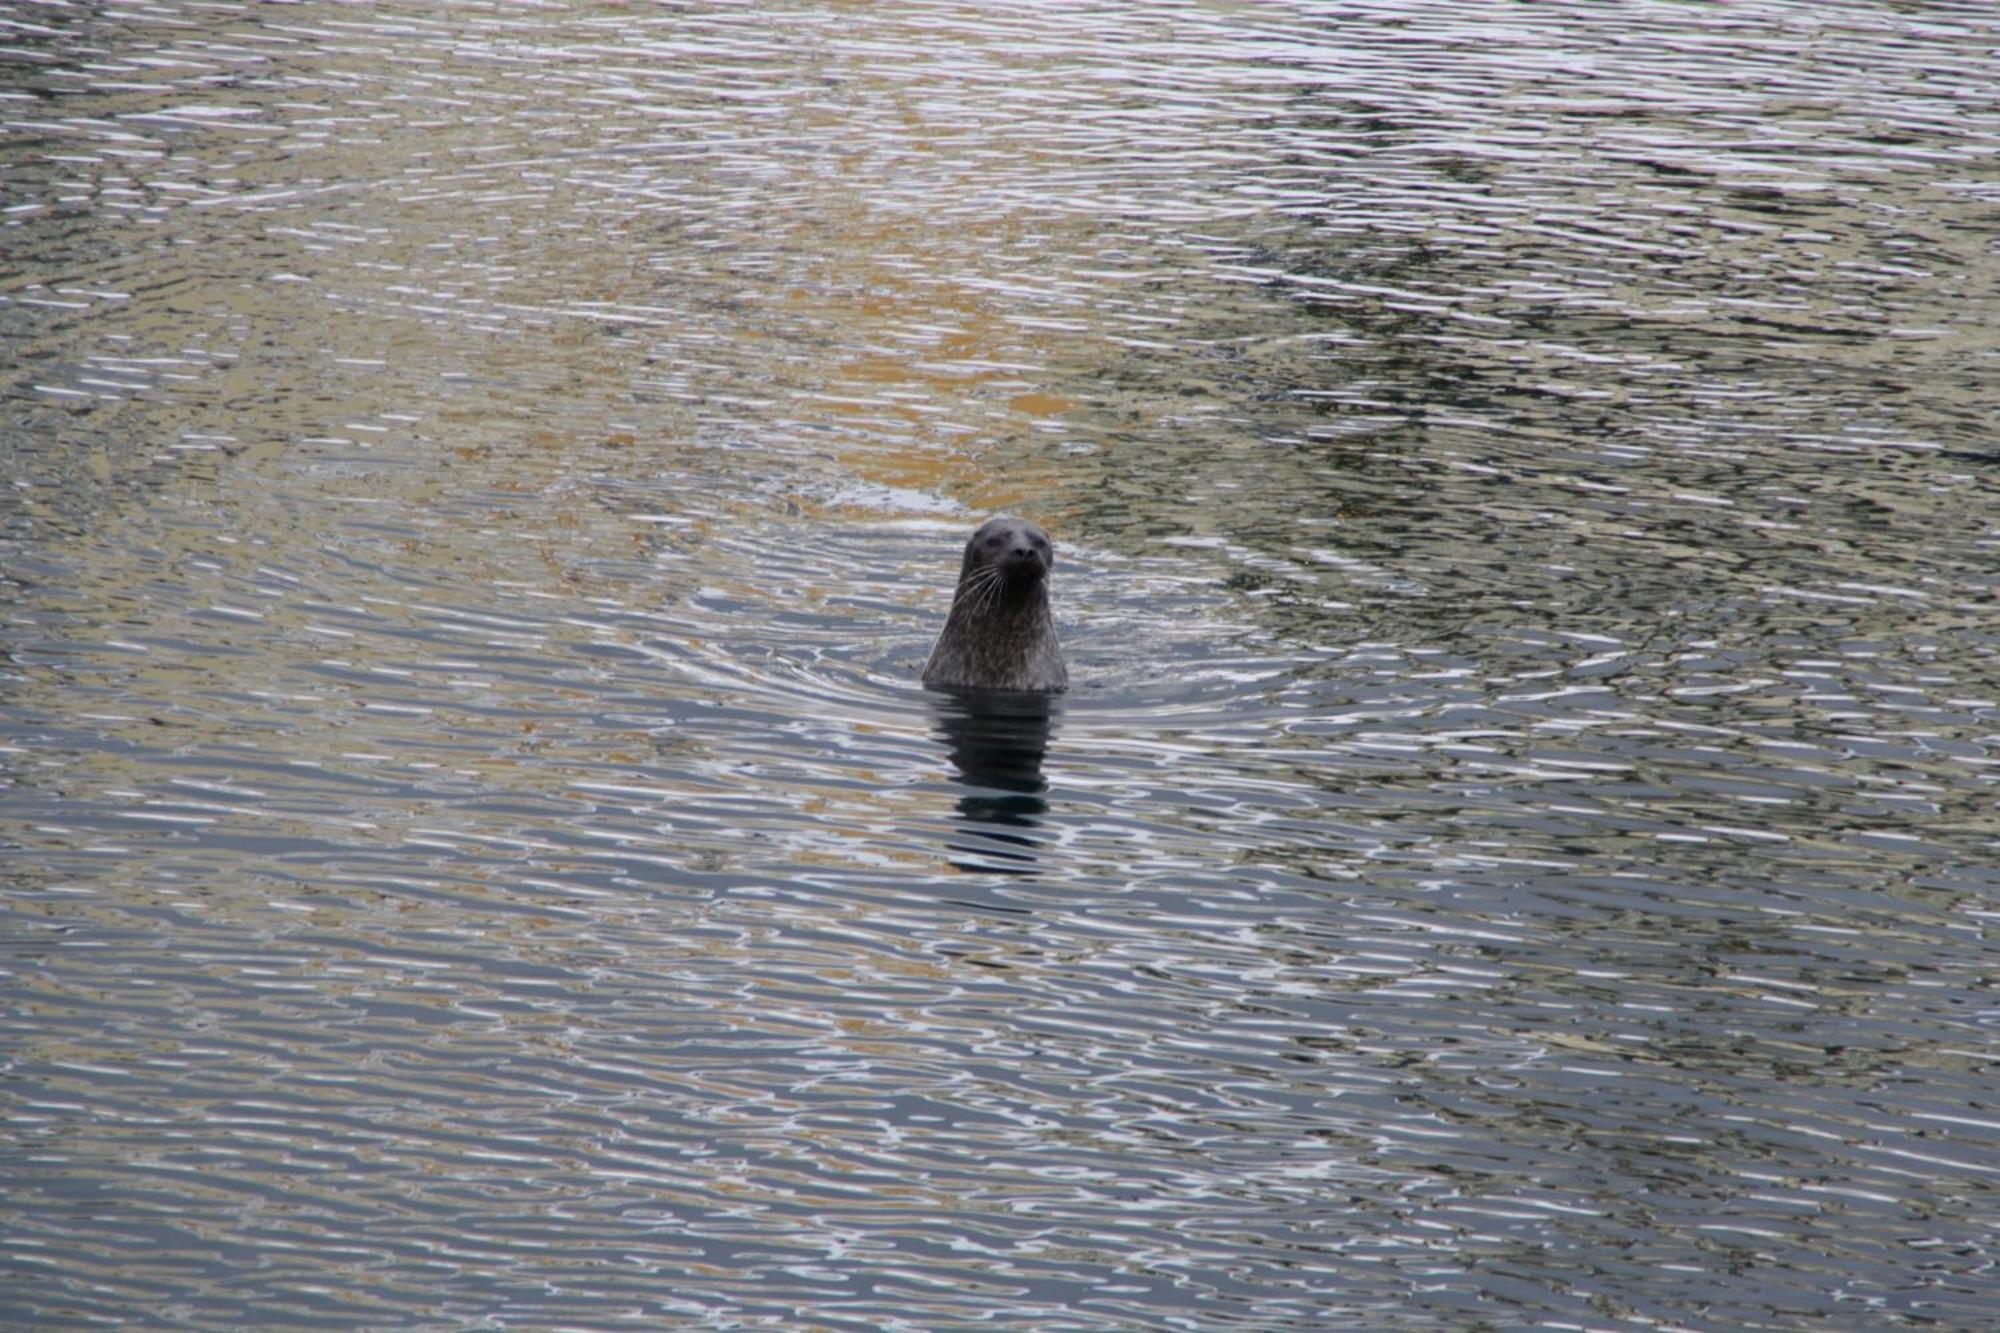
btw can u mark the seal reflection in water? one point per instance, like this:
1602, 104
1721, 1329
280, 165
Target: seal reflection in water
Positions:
1000, 634
997, 742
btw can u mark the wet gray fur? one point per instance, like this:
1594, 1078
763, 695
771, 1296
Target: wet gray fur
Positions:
1000, 634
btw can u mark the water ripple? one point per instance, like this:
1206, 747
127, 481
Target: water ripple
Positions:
484, 482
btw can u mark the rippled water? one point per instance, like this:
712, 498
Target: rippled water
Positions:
482, 481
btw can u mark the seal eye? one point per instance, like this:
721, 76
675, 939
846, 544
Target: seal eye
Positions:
994, 540
1041, 543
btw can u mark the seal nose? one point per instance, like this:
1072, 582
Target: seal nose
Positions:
1025, 558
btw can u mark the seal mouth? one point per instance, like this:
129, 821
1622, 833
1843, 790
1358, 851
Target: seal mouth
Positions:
1024, 568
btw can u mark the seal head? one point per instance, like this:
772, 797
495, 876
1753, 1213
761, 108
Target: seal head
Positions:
1000, 634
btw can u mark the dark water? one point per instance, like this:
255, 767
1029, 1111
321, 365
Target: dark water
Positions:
480, 482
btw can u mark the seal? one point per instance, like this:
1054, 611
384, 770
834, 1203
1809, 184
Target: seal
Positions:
1000, 634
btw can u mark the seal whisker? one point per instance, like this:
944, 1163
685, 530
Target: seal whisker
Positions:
976, 587
989, 594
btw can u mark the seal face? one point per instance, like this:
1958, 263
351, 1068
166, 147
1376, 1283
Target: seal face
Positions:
1000, 634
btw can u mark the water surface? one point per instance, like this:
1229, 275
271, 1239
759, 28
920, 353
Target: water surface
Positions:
482, 480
